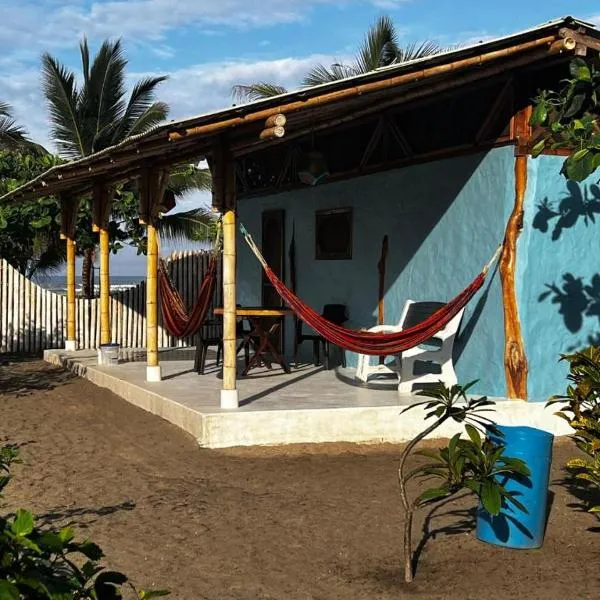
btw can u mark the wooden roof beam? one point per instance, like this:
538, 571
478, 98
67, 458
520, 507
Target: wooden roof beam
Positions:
365, 88
375, 107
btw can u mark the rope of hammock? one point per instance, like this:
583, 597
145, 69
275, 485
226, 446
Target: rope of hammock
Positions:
366, 342
176, 318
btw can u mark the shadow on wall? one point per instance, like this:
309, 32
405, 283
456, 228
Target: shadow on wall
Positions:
575, 299
581, 202
467, 329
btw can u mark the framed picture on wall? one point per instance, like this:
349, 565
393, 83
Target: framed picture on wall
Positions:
334, 234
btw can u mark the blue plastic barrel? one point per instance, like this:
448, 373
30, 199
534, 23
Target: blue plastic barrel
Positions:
514, 528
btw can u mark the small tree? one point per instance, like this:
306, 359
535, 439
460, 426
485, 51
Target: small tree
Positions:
568, 118
581, 409
473, 464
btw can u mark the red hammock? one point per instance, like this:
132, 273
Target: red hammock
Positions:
176, 319
365, 342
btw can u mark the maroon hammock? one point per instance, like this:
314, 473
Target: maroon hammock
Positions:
376, 344
176, 319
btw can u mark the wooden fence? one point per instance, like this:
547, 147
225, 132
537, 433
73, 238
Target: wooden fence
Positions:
33, 319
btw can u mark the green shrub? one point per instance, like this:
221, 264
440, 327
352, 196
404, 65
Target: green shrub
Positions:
581, 409
41, 563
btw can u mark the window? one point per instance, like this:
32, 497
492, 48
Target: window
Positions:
334, 234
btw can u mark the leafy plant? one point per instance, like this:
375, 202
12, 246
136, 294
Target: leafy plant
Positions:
39, 563
568, 119
581, 409
472, 463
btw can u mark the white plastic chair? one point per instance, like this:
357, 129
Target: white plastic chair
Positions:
403, 366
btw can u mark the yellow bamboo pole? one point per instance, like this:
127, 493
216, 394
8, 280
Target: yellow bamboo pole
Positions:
229, 394
105, 333
71, 341
153, 371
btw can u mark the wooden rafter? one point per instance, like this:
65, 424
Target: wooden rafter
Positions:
506, 95
399, 137
376, 137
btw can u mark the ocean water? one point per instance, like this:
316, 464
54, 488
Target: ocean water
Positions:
58, 283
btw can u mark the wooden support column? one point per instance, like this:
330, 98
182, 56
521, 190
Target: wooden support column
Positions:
515, 358
152, 182
153, 370
224, 197
102, 200
68, 211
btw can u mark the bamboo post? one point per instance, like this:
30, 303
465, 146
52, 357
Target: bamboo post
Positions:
102, 197
68, 214
153, 370
71, 341
152, 182
105, 331
515, 358
229, 393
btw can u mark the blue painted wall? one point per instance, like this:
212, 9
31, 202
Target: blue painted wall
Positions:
558, 272
444, 220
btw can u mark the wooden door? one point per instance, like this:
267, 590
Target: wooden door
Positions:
273, 249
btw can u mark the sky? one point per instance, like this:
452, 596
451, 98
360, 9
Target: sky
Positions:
207, 46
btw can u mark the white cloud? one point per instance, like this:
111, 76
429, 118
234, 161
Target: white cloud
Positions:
206, 87
49, 24
189, 91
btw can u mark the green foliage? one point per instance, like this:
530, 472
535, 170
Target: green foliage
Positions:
568, 119
474, 464
43, 563
29, 231
581, 409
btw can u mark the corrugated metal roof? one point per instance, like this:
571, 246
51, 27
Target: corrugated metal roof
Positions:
379, 74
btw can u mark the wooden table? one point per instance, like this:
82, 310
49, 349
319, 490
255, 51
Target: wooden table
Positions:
263, 326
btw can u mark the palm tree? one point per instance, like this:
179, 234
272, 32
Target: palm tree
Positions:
380, 48
96, 115
11, 134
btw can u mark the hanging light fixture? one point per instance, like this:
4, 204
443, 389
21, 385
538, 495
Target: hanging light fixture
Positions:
314, 169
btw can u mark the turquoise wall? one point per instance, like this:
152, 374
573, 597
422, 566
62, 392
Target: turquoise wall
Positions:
559, 272
444, 220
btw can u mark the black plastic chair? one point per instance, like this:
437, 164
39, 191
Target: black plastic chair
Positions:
211, 334
336, 313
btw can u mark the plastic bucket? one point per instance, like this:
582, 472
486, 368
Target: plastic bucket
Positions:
514, 528
108, 355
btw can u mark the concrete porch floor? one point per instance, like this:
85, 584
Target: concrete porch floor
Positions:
310, 405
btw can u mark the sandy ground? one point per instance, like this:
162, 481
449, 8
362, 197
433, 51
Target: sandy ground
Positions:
310, 522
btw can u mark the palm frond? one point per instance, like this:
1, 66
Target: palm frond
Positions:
256, 91
189, 178
11, 134
140, 107
58, 84
154, 115
85, 59
321, 74
102, 99
49, 254
197, 224
418, 50
380, 46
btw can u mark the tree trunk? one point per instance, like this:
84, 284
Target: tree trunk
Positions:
87, 273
